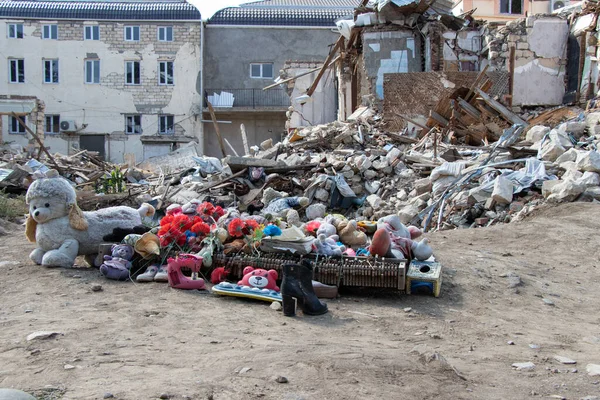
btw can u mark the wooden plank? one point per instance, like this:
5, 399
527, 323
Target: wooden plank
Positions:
326, 63
477, 81
244, 139
469, 109
582, 54
37, 139
506, 113
511, 75
292, 78
216, 124
439, 119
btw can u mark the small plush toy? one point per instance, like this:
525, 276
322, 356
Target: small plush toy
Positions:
327, 246
327, 228
349, 233
284, 208
117, 265
260, 278
62, 231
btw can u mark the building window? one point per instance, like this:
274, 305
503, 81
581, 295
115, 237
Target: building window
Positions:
133, 124
15, 31
132, 33
165, 33
15, 127
52, 124
92, 71
132, 72
262, 70
50, 32
92, 32
16, 71
165, 73
166, 125
511, 6
50, 71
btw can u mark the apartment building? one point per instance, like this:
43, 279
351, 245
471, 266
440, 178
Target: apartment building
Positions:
116, 78
507, 10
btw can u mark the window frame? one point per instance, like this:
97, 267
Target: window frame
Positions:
52, 68
92, 29
52, 29
94, 69
16, 30
166, 64
165, 29
18, 76
166, 124
139, 124
510, 8
139, 73
132, 28
20, 128
262, 76
55, 122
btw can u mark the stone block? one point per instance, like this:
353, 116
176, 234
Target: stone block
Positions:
478, 195
503, 190
569, 155
374, 201
550, 151
408, 213
522, 46
566, 191
547, 187
536, 133
422, 186
490, 204
589, 179
589, 161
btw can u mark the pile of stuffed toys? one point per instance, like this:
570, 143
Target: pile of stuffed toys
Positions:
62, 232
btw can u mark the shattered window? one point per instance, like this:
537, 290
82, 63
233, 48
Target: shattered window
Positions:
92, 32
52, 124
132, 33
165, 73
166, 124
511, 6
15, 31
50, 71
261, 70
15, 126
132, 72
50, 32
17, 71
92, 71
165, 33
133, 124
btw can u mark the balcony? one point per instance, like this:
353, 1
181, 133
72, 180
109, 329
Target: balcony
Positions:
254, 99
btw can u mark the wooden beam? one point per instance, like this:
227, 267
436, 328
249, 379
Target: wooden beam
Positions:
506, 113
244, 139
477, 81
439, 119
37, 139
582, 51
292, 78
326, 63
215, 123
511, 75
469, 109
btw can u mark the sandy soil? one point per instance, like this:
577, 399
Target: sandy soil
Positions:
140, 341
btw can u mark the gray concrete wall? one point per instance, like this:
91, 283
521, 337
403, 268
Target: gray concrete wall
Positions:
229, 51
260, 126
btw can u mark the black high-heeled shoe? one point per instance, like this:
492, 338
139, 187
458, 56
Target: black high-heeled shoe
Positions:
297, 290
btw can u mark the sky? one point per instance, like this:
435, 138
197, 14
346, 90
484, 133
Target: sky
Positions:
209, 7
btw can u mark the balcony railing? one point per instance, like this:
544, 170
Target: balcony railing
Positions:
249, 98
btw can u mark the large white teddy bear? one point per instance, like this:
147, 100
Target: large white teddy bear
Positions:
62, 231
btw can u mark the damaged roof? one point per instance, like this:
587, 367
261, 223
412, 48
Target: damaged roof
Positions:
169, 10
286, 13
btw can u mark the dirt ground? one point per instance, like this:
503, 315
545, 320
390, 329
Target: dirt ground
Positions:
141, 341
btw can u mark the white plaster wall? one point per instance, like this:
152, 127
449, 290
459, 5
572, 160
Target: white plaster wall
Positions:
465, 40
99, 106
321, 108
540, 80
